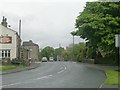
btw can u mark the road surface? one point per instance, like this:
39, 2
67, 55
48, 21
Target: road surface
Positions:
55, 75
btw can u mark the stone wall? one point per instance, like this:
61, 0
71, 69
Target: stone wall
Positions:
88, 61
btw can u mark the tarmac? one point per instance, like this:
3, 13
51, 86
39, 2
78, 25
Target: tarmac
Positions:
99, 67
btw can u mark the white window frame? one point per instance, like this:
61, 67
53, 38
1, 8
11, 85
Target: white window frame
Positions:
5, 53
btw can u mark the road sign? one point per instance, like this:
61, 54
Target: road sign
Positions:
117, 40
5, 39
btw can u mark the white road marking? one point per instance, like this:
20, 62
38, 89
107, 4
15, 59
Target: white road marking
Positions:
101, 85
36, 78
43, 77
65, 68
60, 71
9, 84
27, 81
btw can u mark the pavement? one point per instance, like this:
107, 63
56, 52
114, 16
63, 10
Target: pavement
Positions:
103, 68
32, 66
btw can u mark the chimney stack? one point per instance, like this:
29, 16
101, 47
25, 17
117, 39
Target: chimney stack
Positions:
20, 28
4, 21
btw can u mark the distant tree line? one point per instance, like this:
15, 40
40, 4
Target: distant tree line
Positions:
64, 54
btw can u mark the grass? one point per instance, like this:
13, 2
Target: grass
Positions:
112, 77
3, 68
10, 67
22, 66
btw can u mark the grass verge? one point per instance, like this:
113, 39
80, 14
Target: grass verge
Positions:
10, 67
112, 77
3, 68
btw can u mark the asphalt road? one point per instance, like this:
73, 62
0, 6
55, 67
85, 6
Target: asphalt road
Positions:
55, 75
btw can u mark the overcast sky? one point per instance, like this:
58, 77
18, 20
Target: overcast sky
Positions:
45, 22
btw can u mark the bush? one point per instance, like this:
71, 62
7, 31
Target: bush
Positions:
15, 61
5, 61
19, 61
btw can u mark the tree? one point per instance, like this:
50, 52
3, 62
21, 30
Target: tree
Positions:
98, 24
58, 52
40, 55
66, 55
47, 52
78, 51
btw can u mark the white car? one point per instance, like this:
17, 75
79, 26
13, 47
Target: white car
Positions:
51, 59
44, 59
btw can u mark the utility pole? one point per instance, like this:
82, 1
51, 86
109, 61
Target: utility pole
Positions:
19, 47
60, 51
73, 34
59, 45
20, 28
73, 47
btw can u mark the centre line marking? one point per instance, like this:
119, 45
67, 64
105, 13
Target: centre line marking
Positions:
10, 84
43, 77
27, 81
61, 71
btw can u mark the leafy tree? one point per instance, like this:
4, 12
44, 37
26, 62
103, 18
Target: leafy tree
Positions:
66, 55
58, 52
40, 55
98, 24
47, 52
77, 54
78, 51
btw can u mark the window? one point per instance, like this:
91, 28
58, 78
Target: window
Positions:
22, 54
4, 53
9, 53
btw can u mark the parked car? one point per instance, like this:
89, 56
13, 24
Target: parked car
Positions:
44, 59
51, 59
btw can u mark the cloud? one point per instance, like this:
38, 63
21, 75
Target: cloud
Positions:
46, 23
48, 0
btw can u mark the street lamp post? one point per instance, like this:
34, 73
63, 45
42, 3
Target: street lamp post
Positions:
117, 44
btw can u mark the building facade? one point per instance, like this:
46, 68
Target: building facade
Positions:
10, 42
10, 45
32, 48
24, 54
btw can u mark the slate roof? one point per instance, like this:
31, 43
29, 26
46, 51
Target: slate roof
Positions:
29, 43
